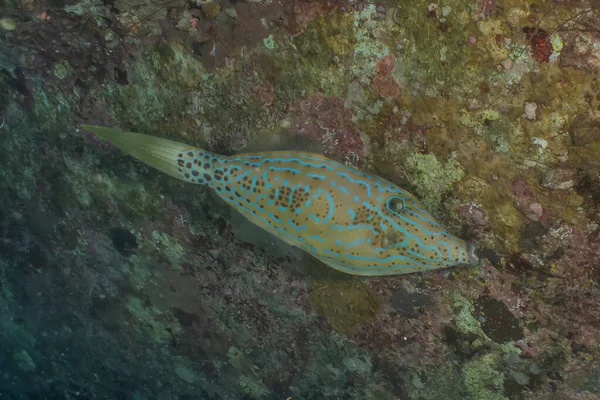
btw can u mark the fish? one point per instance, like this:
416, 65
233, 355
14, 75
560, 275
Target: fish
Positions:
351, 220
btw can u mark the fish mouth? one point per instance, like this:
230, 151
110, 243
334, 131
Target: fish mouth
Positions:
473, 259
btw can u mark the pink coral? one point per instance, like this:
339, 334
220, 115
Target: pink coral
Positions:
525, 201
476, 217
488, 7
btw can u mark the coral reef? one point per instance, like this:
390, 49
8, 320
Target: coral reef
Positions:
119, 282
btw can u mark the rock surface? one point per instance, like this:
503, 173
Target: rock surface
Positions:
118, 282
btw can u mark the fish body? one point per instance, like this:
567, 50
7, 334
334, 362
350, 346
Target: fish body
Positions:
353, 221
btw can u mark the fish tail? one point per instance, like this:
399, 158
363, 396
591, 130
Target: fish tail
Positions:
162, 154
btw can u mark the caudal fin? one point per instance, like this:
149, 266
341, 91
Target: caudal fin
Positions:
161, 154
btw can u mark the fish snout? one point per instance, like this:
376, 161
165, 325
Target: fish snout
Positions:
472, 257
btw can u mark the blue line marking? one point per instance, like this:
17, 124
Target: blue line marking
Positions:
389, 258
308, 247
318, 238
314, 217
274, 217
408, 235
331, 207
267, 225
352, 214
356, 242
366, 184
327, 251
432, 222
361, 226
383, 186
343, 189
291, 223
294, 170
321, 177
240, 177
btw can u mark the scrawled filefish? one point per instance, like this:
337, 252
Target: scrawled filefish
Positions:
352, 221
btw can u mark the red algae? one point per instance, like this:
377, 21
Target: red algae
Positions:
539, 40
328, 121
383, 81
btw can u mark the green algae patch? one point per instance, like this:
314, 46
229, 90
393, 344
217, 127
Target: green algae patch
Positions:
8, 24
478, 117
482, 380
306, 66
175, 95
252, 388
431, 178
443, 381
269, 43
169, 247
337, 32
61, 69
464, 320
249, 384
435, 47
506, 220
161, 93
346, 303
149, 321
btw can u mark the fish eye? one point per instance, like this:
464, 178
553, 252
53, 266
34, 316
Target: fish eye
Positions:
395, 204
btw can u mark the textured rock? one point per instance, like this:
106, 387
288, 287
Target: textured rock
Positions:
559, 178
119, 282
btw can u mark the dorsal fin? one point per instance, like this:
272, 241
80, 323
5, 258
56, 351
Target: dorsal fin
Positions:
282, 141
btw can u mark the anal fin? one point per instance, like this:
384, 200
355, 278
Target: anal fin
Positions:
245, 230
